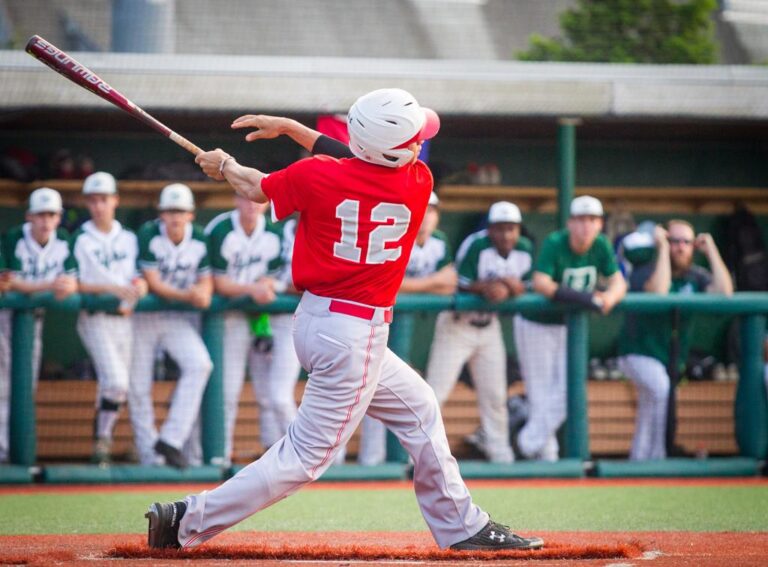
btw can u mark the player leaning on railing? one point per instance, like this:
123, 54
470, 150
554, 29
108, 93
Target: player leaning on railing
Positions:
362, 215
39, 260
106, 254
173, 256
245, 257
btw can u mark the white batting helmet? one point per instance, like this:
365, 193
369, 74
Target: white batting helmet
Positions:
383, 123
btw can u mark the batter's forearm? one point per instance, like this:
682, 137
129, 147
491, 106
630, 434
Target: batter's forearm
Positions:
301, 134
246, 181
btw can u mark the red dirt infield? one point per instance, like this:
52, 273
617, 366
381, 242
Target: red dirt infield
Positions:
651, 549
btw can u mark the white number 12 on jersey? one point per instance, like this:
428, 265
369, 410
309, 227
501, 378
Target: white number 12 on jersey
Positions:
348, 212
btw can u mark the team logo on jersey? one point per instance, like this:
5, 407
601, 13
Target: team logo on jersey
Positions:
32, 270
580, 279
106, 259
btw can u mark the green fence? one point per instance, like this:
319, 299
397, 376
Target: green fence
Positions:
751, 408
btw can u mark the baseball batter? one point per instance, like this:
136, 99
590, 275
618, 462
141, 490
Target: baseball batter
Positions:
245, 257
645, 340
567, 269
492, 263
106, 256
39, 260
174, 259
362, 215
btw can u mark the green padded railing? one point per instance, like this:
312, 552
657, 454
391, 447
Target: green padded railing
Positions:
751, 408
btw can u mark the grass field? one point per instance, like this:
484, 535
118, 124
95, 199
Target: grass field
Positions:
578, 507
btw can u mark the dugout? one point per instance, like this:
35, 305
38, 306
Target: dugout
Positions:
658, 142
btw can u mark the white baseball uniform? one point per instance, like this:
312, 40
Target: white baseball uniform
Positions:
541, 341
425, 260
107, 259
357, 227
244, 258
34, 263
177, 333
476, 338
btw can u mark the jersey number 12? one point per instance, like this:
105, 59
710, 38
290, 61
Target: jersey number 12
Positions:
348, 212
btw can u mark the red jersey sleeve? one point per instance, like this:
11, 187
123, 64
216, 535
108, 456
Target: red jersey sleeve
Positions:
286, 188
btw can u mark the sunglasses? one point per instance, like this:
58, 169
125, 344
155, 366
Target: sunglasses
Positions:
680, 241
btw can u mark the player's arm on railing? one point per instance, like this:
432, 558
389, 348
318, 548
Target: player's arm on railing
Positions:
261, 291
442, 282
615, 292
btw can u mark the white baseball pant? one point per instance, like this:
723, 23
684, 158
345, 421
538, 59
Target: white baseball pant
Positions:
273, 377
109, 341
351, 371
541, 352
653, 383
457, 342
6, 317
177, 334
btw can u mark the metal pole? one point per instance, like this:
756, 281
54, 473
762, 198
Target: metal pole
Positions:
751, 408
144, 26
212, 407
22, 435
576, 422
566, 170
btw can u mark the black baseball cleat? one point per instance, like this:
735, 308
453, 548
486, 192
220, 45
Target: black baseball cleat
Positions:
164, 519
495, 537
172, 455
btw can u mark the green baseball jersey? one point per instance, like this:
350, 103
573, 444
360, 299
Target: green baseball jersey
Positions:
242, 257
179, 265
652, 335
32, 262
430, 258
577, 271
479, 260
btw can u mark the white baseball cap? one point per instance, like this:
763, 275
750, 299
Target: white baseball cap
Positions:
504, 211
45, 200
101, 183
176, 197
433, 200
586, 206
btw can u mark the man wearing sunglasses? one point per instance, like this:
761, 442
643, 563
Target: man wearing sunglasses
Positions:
646, 343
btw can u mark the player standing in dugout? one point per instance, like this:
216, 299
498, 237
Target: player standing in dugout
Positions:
567, 269
106, 254
245, 258
362, 215
173, 256
39, 259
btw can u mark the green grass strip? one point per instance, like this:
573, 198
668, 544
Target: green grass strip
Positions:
596, 508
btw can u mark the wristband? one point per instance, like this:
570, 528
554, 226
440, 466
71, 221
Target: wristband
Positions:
223, 164
566, 294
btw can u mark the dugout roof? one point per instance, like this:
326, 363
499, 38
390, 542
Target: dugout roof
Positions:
291, 85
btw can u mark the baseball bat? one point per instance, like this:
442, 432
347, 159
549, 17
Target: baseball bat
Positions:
59, 61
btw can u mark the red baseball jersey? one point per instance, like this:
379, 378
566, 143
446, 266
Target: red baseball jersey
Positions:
357, 224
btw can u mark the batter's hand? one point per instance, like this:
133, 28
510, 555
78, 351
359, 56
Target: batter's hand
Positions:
267, 127
210, 163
